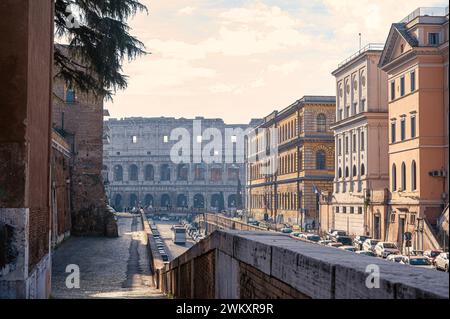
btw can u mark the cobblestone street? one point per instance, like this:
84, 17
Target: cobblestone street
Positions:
109, 267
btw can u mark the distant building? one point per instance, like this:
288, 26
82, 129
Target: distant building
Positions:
415, 58
305, 162
358, 203
140, 172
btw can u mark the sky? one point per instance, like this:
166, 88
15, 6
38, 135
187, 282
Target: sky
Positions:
238, 60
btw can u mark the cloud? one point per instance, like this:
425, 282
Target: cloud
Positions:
186, 11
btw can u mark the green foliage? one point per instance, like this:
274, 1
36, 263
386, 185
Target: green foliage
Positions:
92, 60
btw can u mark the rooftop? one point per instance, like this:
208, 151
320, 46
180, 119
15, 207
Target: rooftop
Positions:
426, 11
369, 47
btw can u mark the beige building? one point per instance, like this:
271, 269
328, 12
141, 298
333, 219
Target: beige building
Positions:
305, 162
358, 202
415, 58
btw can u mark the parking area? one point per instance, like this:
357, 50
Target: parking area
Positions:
173, 250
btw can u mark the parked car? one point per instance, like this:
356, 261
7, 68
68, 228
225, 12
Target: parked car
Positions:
335, 244
419, 262
441, 262
296, 234
344, 240
311, 237
348, 248
286, 230
397, 258
369, 244
432, 254
165, 219
334, 232
366, 253
384, 249
325, 242
359, 240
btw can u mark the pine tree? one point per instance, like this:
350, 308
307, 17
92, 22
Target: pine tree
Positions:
97, 47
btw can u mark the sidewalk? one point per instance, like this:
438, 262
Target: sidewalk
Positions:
109, 267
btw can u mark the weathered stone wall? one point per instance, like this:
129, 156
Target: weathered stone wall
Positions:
272, 265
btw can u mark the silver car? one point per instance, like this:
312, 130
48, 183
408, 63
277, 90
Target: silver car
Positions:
441, 262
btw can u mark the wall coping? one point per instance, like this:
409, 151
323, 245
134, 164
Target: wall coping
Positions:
319, 271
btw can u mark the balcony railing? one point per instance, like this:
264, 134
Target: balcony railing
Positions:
426, 11
369, 47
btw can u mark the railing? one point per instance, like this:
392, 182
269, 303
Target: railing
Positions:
369, 47
426, 11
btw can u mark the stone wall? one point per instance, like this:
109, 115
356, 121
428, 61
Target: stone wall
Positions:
236, 264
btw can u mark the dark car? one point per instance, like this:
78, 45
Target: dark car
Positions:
359, 240
344, 240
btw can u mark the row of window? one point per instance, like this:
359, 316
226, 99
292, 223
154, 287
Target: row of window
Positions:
286, 201
403, 177
349, 210
402, 85
354, 171
182, 171
361, 144
289, 164
412, 128
353, 111
180, 201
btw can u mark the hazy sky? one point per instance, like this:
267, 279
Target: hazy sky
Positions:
238, 60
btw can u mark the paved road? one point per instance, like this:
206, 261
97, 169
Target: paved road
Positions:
109, 267
173, 250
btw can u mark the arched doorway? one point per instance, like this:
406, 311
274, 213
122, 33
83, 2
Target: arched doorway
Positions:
165, 200
182, 172
149, 173
182, 201
165, 172
133, 200
199, 201
148, 201
133, 172
232, 201
215, 200
118, 203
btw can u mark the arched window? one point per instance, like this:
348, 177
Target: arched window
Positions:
216, 174
149, 173
354, 170
403, 176
182, 172
413, 176
182, 201
199, 201
340, 172
363, 170
133, 172
233, 173
321, 123
394, 178
199, 172
321, 160
165, 172
346, 172
118, 173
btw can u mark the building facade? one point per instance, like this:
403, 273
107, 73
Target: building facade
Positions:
358, 203
415, 58
304, 162
142, 172
78, 118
